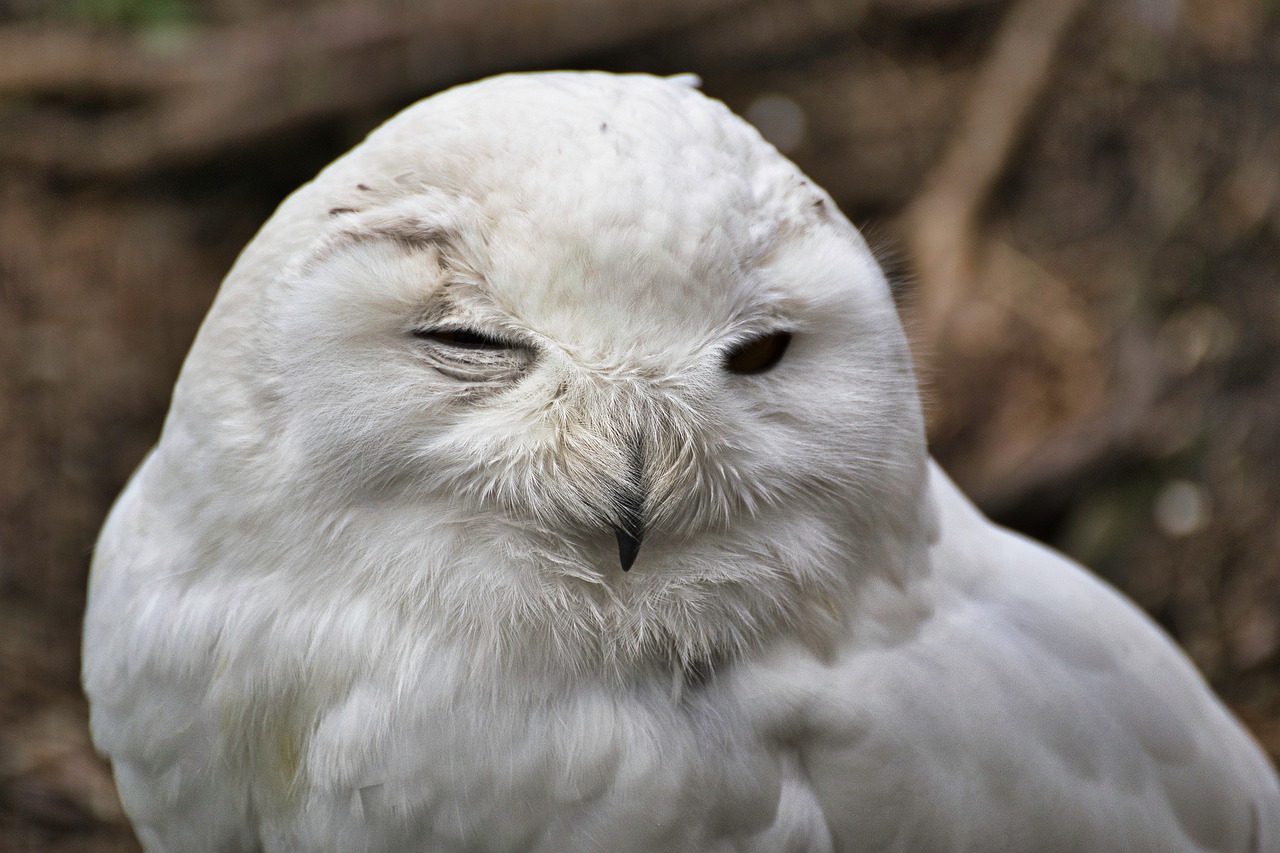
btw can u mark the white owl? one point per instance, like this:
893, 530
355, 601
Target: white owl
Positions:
549, 476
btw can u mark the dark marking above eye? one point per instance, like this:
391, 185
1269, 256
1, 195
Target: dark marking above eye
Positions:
757, 355
463, 339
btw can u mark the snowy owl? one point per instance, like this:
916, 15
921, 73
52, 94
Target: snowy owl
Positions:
549, 476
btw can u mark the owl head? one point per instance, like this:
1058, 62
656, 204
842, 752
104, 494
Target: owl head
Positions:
569, 356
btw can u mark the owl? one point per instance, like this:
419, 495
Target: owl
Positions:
549, 475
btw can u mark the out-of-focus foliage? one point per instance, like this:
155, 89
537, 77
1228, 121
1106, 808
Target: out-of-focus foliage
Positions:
126, 13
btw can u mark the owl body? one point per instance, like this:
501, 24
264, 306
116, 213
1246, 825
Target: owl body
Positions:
366, 592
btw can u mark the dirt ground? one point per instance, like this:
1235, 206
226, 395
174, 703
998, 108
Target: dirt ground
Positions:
1097, 328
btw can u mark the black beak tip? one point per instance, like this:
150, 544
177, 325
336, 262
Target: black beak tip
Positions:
628, 548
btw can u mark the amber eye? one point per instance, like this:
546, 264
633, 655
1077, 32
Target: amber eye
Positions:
461, 338
758, 354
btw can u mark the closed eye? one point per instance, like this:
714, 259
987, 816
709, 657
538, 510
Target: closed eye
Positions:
467, 339
757, 355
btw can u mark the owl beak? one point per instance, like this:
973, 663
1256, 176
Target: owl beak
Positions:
630, 505
628, 547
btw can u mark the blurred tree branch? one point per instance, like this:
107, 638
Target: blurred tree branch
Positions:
212, 87
92, 102
944, 220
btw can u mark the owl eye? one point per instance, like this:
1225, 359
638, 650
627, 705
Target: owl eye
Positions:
758, 354
462, 339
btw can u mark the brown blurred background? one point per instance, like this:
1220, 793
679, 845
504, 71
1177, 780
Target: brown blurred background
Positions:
1079, 203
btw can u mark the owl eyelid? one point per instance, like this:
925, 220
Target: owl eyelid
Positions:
473, 357
464, 339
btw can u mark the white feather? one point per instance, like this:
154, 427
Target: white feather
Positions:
365, 593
